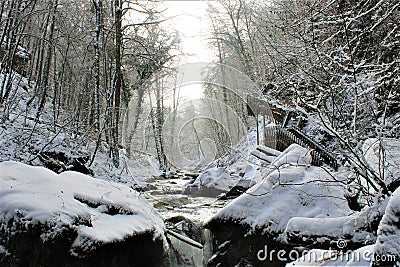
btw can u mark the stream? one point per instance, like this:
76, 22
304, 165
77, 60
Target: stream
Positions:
184, 214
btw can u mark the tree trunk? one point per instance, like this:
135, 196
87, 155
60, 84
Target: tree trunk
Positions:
98, 10
46, 67
118, 79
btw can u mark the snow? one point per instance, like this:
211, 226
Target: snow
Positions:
290, 187
22, 139
387, 245
390, 147
3, 250
389, 228
262, 156
361, 257
213, 179
99, 211
354, 228
294, 154
319, 257
133, 172
314, 257
233, 169
143, 167
268, 151
21, 52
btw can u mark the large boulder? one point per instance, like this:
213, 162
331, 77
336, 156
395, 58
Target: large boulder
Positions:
72, 219
211, 183
289, 187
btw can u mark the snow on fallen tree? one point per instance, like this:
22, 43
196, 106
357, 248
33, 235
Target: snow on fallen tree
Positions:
357, 229
361, 257
290, 187
385, 252
388, 243
70, 215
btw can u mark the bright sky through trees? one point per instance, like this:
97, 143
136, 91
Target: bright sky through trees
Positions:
190, 19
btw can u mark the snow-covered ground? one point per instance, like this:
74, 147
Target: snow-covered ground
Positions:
72, 211
142, 169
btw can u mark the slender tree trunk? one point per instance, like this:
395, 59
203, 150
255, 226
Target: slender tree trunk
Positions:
118, 78
98, 9
46, 68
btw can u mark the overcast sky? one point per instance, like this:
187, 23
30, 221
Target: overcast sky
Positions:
190, 19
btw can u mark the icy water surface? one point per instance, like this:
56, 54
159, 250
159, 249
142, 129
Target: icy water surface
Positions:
169, 201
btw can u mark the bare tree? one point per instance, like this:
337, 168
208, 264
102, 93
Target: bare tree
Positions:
334, 61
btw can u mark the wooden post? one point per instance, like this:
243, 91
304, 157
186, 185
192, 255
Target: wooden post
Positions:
258, 134
264, 136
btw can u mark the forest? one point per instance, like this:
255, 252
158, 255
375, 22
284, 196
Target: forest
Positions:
120, 147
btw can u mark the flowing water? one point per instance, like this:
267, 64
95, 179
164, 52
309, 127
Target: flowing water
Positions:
185, 215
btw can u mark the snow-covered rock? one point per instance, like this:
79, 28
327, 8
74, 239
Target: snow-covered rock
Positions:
239, 168
385, 252
290, 188
211, 183
81, 213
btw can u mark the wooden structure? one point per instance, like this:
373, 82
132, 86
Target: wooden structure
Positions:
281, 135
280, 138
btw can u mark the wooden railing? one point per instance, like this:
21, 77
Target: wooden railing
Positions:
280, 138
283, 135
321, 155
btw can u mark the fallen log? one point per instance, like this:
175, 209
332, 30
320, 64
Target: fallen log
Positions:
262, 156
353, 231
193, 175
184, 239
268, 151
